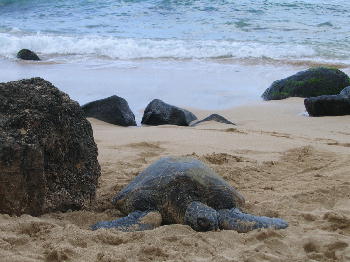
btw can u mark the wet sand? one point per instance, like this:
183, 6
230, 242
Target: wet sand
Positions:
284, 163
205, 84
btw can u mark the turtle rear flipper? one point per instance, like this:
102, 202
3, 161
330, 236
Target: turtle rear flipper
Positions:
135, 221
234, 219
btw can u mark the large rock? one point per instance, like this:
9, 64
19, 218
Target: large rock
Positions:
312, 82
345, 91
159, 113
48, 157
216, 118
114, 110
26, 54
332, 105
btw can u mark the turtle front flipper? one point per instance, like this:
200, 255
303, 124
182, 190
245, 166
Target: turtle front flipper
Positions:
234, 219
201, 217
135, 221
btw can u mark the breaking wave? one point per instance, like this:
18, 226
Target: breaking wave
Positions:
130, 48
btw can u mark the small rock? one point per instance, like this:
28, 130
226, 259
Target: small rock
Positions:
114, 110
26, 54
214, 117
332, 105
159, 113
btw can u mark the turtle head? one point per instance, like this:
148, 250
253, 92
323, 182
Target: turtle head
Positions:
201, 217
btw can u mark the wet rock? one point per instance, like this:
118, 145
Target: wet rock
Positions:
114, 110
332, 105
216, 118
26, 54
345, 91
312, 82
48, 157
159, 113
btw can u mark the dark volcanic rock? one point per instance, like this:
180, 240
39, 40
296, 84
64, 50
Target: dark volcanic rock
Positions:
159, 113
214, 117
26, 54
312, 82
345, 91
114, 110
333, 105
48, 157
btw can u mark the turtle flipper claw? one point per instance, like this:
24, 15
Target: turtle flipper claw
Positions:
135, 221
234, 219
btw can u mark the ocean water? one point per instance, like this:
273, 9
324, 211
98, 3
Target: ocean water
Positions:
207, 37
132, 29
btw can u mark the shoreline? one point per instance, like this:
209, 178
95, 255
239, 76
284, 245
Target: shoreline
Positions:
204, 85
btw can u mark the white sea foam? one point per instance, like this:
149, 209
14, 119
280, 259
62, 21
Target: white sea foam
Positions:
123, 48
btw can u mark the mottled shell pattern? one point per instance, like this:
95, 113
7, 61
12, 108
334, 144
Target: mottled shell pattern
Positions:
171, 183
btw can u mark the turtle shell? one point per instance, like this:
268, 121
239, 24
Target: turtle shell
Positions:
171, 183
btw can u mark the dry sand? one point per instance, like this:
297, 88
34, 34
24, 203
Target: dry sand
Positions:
285, 164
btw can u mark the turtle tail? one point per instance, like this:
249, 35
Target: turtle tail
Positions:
234, 219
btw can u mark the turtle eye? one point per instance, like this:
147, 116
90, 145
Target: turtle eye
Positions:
203, 223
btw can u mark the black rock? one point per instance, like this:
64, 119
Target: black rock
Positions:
114, 110
345, 91
48, 157
159, 113
214, 117
332, 105
312, 82
26, 54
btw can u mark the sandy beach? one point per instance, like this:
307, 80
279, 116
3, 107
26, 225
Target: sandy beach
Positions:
284, 163
205, 56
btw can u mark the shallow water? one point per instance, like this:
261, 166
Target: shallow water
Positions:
278, 29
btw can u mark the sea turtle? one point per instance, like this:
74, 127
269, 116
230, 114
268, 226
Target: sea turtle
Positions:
183, 190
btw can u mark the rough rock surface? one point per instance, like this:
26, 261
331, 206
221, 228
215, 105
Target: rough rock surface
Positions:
26, 54
345, 91
312, 82
333, 105
114, 110
159, 113
48, 157
214, 117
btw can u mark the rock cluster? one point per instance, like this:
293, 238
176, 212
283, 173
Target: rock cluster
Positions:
48, 157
